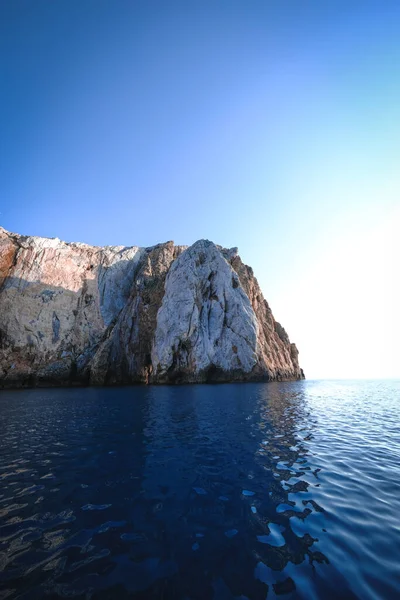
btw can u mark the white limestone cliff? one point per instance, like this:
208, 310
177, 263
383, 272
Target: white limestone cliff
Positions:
205, 319
71, 313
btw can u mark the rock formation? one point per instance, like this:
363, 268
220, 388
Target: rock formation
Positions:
71, 313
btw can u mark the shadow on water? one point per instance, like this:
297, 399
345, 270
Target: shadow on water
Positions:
161, 492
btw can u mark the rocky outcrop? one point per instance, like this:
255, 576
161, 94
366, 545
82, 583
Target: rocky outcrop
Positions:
71, 313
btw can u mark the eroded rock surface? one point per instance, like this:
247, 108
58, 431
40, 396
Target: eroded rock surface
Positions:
71, 313
206, 324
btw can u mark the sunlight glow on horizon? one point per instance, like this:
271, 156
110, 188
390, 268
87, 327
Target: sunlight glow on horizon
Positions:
344, 317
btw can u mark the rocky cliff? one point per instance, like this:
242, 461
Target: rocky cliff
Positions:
77, 314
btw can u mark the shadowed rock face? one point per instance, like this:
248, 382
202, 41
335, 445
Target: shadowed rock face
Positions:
71, 313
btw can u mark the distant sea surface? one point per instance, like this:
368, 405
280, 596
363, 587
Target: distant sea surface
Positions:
279, 490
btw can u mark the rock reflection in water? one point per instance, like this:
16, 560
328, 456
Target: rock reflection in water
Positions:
185, 492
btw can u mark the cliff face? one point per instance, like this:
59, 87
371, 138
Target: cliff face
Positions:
73, 313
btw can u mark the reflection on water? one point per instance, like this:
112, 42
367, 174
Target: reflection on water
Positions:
229, 491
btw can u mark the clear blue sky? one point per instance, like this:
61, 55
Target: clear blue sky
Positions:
270, 125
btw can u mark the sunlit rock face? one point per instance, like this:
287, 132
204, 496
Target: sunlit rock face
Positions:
206, 325
71, 313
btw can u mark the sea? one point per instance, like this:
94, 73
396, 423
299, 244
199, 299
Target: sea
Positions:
232, 491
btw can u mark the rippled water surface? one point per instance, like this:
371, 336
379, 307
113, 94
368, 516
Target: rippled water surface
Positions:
285, 490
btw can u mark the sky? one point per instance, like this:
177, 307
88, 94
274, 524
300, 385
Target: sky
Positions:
270, 125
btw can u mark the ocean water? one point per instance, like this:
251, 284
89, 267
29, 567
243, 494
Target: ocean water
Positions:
288, 490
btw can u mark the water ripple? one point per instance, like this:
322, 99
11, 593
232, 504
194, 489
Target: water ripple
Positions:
229, 491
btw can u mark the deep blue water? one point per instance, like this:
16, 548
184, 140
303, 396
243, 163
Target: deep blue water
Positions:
285, 490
